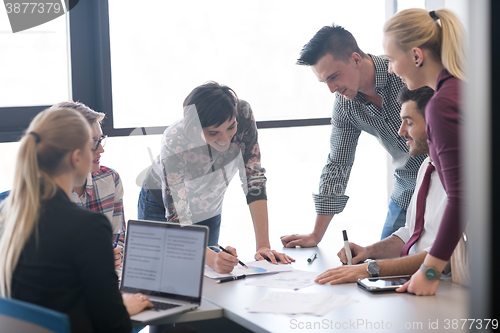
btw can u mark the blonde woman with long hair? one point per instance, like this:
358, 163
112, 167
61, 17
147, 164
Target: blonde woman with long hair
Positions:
52, 252
427, 49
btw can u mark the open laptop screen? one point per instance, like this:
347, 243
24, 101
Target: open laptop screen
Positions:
164, 259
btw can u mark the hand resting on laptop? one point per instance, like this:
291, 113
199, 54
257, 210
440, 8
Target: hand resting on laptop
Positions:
135, 303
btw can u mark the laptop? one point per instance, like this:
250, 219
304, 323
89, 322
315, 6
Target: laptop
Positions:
164, 261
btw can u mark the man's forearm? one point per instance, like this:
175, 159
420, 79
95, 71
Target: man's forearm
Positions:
387, 248
322, 223
401, 266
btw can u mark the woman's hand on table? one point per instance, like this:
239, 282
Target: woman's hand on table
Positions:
420, 285
272, 256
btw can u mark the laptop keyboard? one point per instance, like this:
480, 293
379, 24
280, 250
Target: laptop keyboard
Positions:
163, 306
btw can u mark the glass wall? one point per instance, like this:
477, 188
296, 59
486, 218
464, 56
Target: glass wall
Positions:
34, 64
162, 50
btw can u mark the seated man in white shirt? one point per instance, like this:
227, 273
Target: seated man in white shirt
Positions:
413, 130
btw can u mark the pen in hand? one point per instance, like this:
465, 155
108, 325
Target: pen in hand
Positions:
348, 253
116, 240
224, 250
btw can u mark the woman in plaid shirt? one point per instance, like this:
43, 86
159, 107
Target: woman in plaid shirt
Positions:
200, 154
103, 189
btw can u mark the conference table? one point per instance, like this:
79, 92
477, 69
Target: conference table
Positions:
382, 312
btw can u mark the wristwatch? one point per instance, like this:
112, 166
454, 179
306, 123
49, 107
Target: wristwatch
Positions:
373, 268
430, 272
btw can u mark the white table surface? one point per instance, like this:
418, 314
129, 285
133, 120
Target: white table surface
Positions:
386, 312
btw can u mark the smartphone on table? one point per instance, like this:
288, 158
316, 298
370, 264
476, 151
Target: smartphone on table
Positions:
385, 283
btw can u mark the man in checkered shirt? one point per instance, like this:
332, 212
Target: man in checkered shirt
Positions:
365, 100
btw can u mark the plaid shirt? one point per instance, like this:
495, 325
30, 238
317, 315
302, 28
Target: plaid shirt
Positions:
104, 194
348, 120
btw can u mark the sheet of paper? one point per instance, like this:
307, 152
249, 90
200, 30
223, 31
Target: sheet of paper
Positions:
317, 304
287, 280
254, 268
335, 301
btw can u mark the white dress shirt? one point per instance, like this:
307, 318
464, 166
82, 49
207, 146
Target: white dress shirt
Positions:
434, 209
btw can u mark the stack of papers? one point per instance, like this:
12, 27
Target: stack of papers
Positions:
254, 268
316, 304
288, 280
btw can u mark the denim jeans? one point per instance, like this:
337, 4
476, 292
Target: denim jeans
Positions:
4, 195
150, 209
396, 218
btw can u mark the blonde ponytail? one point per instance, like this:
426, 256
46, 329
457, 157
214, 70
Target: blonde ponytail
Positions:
51, 136
23, 205
444, 37
452, 47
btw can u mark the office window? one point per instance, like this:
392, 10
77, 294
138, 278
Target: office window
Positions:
159, 53
160, 50
34, 64
406, 4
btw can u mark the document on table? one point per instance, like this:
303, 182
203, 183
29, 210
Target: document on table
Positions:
254, 268
287, 280
318, 304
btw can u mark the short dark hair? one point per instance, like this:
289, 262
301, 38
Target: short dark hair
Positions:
334, 40
214, 104
420, 96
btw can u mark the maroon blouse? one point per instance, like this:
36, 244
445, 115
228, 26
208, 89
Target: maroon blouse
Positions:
444, 124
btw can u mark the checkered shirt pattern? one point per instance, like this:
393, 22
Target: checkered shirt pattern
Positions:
104, 194
349, 118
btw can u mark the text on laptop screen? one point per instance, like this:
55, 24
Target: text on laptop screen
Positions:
164, 259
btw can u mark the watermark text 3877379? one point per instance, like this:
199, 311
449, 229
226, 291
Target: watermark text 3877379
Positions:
26, 14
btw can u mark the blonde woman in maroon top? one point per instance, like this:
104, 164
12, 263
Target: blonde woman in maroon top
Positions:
426, 49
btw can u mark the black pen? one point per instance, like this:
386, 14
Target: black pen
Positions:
223, 249
269, 259
231, 278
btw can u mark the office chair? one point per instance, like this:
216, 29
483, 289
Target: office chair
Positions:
21, 317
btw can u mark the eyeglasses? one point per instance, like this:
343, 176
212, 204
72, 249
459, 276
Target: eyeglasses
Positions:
102, 141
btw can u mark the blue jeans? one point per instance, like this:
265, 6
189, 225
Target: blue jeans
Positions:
396, 218
148, 208
4, 195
